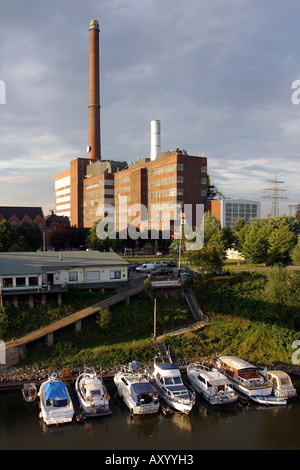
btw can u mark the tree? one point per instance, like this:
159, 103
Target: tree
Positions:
211, 226
283, 287
228, 237
8, 235
281, 244
66, 237
211, 255
32, 235
296, 253
104, 319
95, 243
256, 244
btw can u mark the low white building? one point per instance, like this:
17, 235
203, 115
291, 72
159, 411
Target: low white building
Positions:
44, 270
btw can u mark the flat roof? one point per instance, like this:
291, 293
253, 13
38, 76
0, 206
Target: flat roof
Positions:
36, 262
236, 362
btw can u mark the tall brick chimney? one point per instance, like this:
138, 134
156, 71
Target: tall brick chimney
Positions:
94, 143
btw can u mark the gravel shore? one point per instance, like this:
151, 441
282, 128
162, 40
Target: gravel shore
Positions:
14, 375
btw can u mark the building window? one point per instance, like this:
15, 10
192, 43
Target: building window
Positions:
7, 282
20, 282
33, 281
92, 275
73, 276
179, 166
115, 274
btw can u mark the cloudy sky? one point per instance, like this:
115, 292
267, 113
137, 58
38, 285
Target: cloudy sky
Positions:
218, 75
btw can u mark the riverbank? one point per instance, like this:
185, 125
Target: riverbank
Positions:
15, 377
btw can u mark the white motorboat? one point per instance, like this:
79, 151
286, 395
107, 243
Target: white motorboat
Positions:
269, 400
211, 384
92, 395
137, 392
281, 383
244, 376
55, 402
166, 378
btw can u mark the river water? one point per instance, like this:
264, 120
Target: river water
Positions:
251, 427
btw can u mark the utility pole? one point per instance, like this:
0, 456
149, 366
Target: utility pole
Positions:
274, 189
154, 327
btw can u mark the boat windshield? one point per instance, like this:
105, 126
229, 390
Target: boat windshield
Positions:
173, 380
59, 402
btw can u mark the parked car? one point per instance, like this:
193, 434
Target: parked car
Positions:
171, 264
186, 272
219, 273
145, 268
162, 272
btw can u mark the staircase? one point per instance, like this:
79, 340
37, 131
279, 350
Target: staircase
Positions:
165, 355
193, 304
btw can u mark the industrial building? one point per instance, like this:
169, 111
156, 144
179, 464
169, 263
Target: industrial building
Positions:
227, 211
168, 179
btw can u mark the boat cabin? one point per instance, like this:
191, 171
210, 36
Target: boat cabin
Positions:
170, 379
56, 394
213, 384
239, 370
281, 382
143, 393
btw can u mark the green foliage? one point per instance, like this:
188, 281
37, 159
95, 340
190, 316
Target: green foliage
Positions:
271, 298
16, 321
256, 244
66, 237
269, 240
8, 235
26, 237
296, 253
104, 319
281, 244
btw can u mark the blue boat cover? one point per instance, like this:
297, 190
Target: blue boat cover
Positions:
167, 366
143, 388
55, 390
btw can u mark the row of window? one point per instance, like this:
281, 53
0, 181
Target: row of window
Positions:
94, 275
73, 277
99, 183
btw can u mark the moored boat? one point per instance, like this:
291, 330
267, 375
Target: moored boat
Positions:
138, 394
92, 395
55, 402
166, 378
29, 392
244, 376
281, 383
211, 384
269, 400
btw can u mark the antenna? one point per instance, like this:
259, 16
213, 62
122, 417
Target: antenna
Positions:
274, 188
